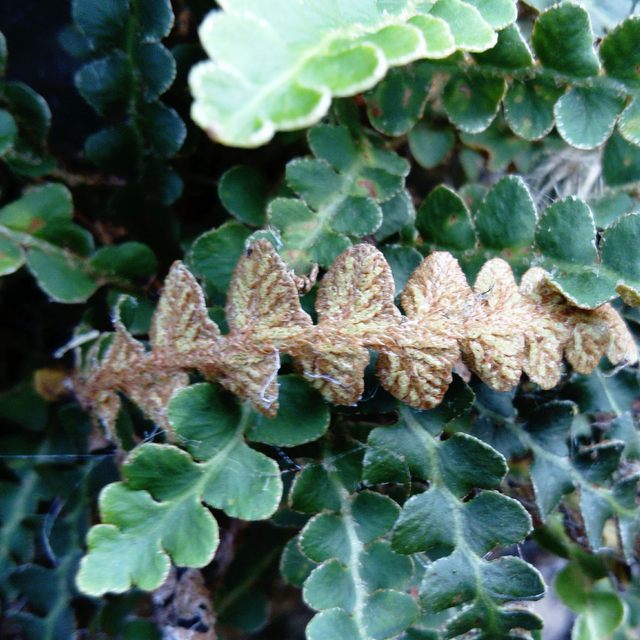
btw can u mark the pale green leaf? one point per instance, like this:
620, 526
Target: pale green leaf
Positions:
277, 69
585, 117
563, 40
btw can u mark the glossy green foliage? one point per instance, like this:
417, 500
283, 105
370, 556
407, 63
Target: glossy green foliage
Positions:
358, 584
600, 610
46, 463
479, 127
556, 471
127, 72
555, 79
454, 532
350, 188
25, 120
277, 67
343, 193
166, 485
604, 14
563, 239
38, 230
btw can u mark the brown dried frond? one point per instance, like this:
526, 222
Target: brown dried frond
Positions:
355, 308
547, 330
262, 303
181, 329
357, 292
622, 348
334, 364
182, 607
264, 315
493, 345
418, 370
498, 328
556, 328
127, 368
98, 391
438, 290
417, 365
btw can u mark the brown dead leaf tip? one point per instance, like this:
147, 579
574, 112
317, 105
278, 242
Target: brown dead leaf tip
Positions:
499, 329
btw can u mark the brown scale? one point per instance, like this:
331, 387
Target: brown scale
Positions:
497, 328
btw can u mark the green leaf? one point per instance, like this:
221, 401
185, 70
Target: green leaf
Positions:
556, 470
472, 100
603, 616
629, 125
114, 148
51, 616
214, 254
498, 13
609, 207
619, 52
621, 162
566, 238
443, 218
8, 131
38, 208
507, 216
454, 532
600, 612
163, 129
398, 102
295, 567
11, 256
133, 547
602, 393
430, 145
61, 276
106, 83
38, 228
548, 429
585, 117
342, 191
388, 613
129, 260
403, 262
3, 55
302, 417
620, 257
157, 69
340, 52
563, 241
471, 31
501, 147
563, 40
623, 428
397, 213
604, 14
357, 585
243, 191
244, 483
154, 18
333, 623
248, 613
31, 112
103, 23
292, 218
528, 108
158, 513
511, 51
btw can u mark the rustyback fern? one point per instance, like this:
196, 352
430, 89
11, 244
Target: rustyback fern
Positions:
396, 369
499, 330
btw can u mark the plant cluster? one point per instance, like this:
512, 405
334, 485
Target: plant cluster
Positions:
376, 379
